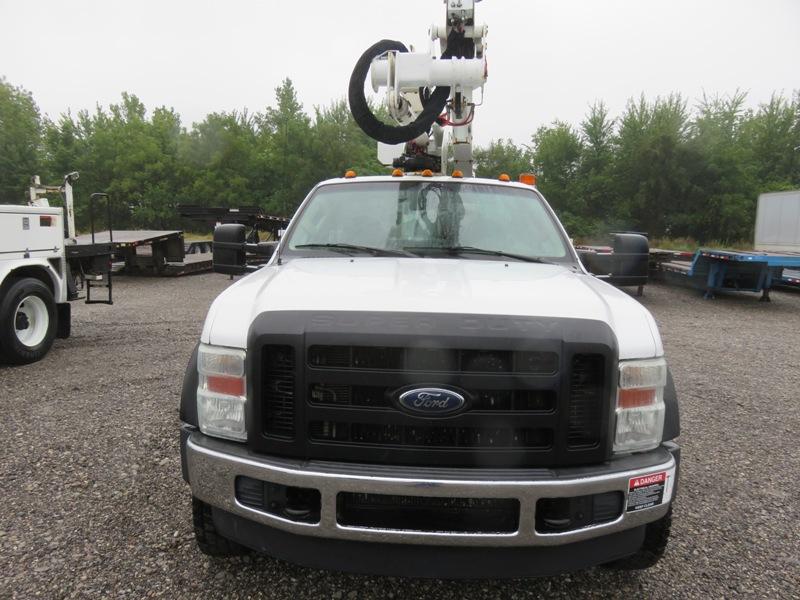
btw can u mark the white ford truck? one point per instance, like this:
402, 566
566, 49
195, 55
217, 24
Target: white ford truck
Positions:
424, 380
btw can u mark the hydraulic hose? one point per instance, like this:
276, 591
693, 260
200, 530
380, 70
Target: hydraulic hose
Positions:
369, 123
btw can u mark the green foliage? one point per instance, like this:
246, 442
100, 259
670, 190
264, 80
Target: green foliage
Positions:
502, 156
659, 167
20, 139
150, 163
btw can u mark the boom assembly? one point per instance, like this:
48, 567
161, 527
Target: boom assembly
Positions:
425, 92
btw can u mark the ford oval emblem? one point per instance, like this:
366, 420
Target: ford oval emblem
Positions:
432, 402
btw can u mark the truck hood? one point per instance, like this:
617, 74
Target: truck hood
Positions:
411, 285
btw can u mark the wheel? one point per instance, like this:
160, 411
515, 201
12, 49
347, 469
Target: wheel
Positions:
205, 533
28, 321
655, 544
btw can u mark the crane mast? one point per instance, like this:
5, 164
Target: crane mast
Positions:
426, 93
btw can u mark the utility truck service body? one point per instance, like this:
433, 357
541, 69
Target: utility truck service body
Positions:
424, 409
33, 291
42, 268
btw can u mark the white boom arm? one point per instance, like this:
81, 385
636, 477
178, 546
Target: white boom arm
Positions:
404, 74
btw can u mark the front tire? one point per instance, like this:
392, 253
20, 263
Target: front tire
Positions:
28, 321
655, 544
208, 539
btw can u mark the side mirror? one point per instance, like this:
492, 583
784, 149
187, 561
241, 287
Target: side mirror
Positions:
230, 257
631, 259
626, 263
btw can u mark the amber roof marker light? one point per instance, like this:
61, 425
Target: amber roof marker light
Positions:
504, 177
528, 179
350, 174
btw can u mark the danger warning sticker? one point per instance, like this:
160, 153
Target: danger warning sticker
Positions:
645, 492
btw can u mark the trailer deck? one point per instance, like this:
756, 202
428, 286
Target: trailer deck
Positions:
148, 251
130, 238
731, 270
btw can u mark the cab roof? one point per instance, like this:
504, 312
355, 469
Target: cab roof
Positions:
421, 178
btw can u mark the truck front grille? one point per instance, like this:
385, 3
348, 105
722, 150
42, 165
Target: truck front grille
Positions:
278, 390
432, 360
530, 402
426, 436
321, 394
585, 400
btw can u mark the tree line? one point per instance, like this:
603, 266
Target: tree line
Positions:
661, 167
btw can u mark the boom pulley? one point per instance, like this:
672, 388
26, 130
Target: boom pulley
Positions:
425, 92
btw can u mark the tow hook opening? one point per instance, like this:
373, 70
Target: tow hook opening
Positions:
558, 515
302, 505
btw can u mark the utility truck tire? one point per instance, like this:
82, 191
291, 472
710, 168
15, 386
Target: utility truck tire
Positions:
28, 321
205, 533
655, 544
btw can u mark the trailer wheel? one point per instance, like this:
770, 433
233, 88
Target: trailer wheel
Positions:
28, 321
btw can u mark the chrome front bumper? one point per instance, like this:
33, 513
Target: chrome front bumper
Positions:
213, 466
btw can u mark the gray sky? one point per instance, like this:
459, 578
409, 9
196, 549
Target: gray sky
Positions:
548, 59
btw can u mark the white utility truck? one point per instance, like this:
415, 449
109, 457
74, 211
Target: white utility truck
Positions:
33, 282
424, 380
41, 268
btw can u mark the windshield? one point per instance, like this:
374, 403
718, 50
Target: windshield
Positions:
428, 219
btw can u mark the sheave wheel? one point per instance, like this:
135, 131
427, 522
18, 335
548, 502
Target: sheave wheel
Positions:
27, 321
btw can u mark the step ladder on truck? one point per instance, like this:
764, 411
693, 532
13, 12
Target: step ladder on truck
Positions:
42, 270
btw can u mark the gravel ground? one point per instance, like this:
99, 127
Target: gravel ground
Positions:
92, 503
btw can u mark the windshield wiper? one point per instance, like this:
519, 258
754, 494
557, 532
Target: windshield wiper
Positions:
356, 248
475, 250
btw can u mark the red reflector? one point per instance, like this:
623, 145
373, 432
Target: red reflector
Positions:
636, 398
230, 386
45, 221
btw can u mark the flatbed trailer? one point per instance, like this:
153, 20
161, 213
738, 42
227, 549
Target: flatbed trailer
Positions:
731, 270
151, 252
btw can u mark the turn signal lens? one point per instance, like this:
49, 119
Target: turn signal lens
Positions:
504, 177
636, 398
230, 386
528, 179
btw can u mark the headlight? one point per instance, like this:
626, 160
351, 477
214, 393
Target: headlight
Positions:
221, 392
640, 405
